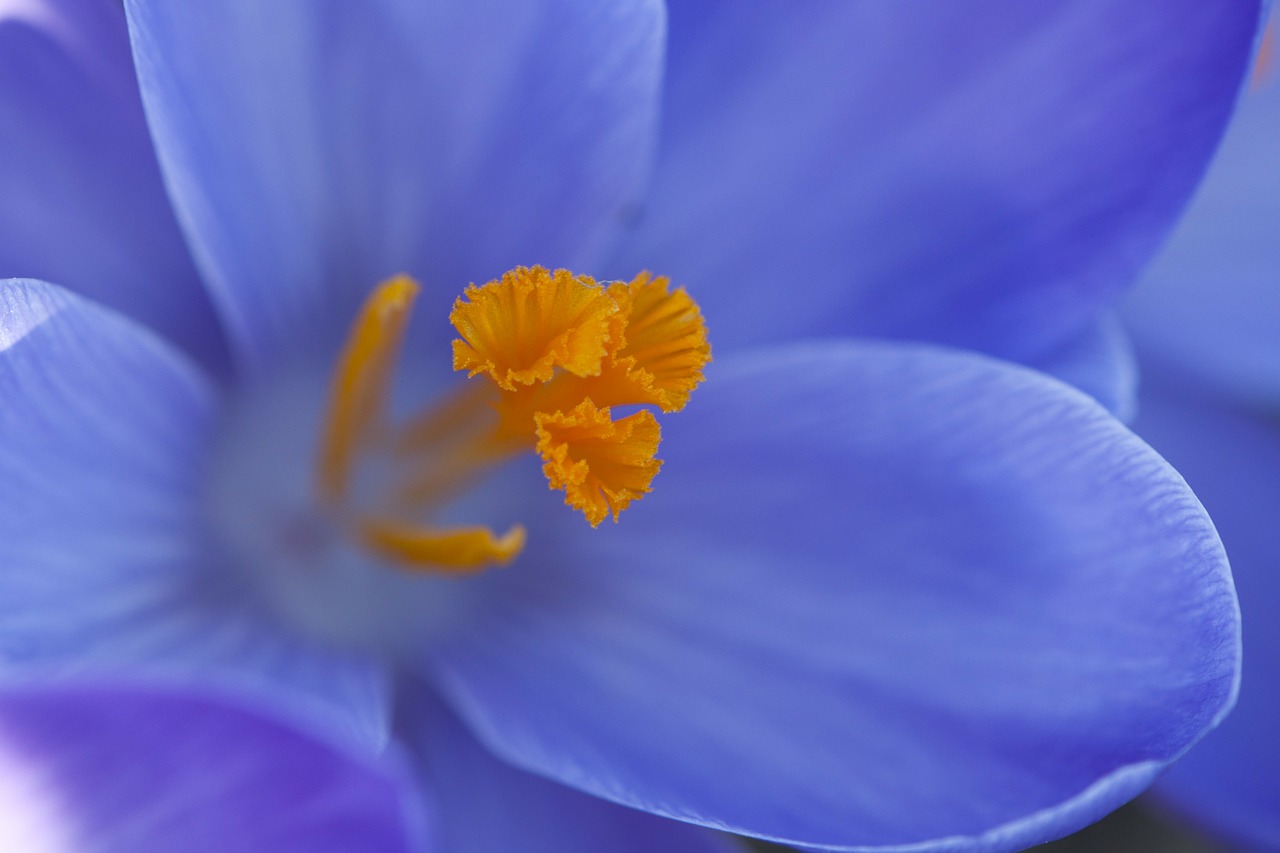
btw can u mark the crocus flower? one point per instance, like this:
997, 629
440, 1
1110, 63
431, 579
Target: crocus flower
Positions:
1207, 325
884, 594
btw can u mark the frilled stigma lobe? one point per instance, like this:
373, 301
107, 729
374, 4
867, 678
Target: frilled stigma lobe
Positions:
520, 329
556, 352
602, 464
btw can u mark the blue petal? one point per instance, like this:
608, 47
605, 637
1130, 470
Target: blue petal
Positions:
1231, 457
881, 595
105, 564
486, 805
81, 202
315, 149
1211, 302
135, 771
984, 175
1100, 362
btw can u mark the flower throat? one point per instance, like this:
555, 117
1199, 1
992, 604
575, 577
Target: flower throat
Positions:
550, 354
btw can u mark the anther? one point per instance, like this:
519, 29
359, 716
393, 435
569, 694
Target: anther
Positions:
360, 382
356, 416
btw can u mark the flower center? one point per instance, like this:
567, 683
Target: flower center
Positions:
554, 352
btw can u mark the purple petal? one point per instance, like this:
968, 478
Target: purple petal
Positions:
1211, 302
316, 149
881, 595
486, 805
988, 176
81, 201
105, 561
134, 771
1231, 781
1100, 362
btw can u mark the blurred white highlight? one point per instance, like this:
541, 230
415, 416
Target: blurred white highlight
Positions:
32, 818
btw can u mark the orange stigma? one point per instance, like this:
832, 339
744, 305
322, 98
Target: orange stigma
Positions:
555, 352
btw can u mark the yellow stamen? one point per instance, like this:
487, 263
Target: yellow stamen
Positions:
520, 328
360, 381
461, 550
602, 464
356, 408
